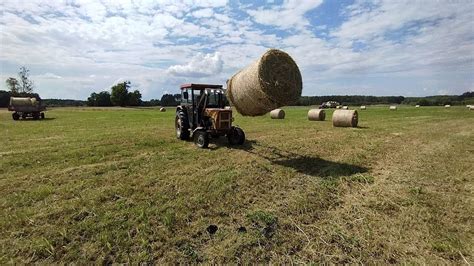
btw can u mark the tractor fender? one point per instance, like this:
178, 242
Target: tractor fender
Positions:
198, 128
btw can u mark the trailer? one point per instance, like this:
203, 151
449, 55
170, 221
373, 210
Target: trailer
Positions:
25, 107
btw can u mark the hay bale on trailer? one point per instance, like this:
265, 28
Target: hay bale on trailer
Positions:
345, 118
316, 115
272, 81
363, 107
447, 106
162, 109
393, 107
277, 114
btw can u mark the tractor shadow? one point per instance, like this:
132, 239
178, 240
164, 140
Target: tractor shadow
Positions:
304, 164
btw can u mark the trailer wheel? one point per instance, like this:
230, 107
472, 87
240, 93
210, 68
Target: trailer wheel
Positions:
36, 116
42, 115
15, 116
23, 116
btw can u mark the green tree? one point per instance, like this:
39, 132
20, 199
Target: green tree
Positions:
99, 99
119, 95
168, 100
12, 84
135, 98
26, 84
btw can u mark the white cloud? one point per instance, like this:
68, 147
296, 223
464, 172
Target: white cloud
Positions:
203, 13
201, 65
287, 16
48, 75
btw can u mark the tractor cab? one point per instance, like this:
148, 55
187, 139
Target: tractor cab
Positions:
204, 112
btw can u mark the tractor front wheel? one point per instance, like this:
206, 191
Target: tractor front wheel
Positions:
201, 138
182, 126
15, 116
236, 136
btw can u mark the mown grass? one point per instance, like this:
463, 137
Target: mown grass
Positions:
115, 185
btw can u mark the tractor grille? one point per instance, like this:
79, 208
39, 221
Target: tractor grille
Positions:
224, 120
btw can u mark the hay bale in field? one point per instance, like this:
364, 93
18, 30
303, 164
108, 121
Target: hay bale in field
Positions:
468, 106
471, 108
363, 107
393, 107
447, 106
162, 109
345, 118
277, 114
272, 81
338, 107
345, 107
316, 115
417, 106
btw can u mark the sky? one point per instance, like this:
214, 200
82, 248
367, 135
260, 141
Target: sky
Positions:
347, 47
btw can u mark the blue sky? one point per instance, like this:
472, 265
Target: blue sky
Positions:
75, 47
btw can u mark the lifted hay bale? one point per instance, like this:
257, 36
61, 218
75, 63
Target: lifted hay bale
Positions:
316, 115
447, 106
363, 107
345, 118
272, 81
162, 109
277, 114
393, 107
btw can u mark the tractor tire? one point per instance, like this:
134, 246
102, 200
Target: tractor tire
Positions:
236, 136
201, 138
42, 115
181, 126
15, 116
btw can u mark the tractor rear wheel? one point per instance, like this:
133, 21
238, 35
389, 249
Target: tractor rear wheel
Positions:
201, 138
182, 126
15, 116
236, 136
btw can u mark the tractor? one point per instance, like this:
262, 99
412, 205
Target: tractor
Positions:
204, 113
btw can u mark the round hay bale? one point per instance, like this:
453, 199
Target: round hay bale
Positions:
363, 107
162, 109
316, 115
23, 101
471, 108
468, 106
417, 106
345, 118
272, 81
345, 107
447, 106
338, 107
277, 114
393, 107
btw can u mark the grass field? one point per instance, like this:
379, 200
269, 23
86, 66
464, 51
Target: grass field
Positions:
115, 185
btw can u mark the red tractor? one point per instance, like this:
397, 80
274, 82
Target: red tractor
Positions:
204, 113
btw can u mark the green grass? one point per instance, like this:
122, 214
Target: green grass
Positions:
115, 185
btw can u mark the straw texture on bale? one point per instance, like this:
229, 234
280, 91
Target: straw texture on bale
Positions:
316, 115
274, 80
162, 109
447, 106
345, 107
417, 106
363, 107
393, 107
23, 101
277, 114
345, 118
